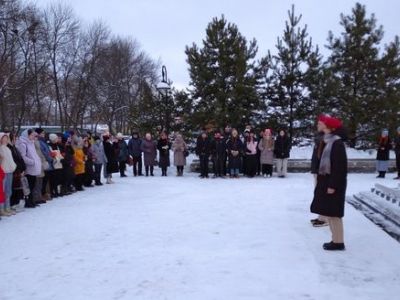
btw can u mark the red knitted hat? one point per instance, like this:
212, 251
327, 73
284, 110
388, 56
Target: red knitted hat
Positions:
330, 122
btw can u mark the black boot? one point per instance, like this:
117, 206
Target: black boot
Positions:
383, 174
334, 246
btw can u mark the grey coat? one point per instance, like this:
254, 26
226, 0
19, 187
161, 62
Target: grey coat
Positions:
149, 150
179, 155
267, 154
98, 153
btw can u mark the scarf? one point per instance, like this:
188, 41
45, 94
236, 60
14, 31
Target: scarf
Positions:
325, 164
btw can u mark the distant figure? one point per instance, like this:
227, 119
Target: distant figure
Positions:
179, 148
234, 147
266, 146
163, 147
382, 155
203, 150
149, 150
282, 153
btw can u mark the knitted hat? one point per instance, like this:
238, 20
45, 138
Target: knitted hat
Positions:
53, 137
120, 136
330, 122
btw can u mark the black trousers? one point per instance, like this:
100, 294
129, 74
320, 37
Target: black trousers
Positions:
97, 173
78, 181
122, 167
204, 165
137, 166
219, 165
164, 171
179, 169
151, 170
31, 181
267, 169
251, 165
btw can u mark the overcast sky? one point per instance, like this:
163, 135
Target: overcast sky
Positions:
164, 27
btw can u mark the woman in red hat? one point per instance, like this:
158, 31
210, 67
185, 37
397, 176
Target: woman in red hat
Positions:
330, 191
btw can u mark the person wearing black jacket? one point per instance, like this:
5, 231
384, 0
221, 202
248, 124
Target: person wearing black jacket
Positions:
234, 148
203, 150
396, 146
134, 147
218, 149
67, 162
330, 191
282, 153
382, 155
163, 146
111, 152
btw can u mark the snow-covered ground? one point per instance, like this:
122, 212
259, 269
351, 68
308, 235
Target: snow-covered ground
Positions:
192, 239
306, 152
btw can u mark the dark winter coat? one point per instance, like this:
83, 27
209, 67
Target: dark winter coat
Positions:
332, 205
384, 149
236, 144
17, 193
134, 146
123, 151
163, 147
19, 161
112, 159
203, 146
218, 148
282, 147
397, 145
149, 150
315, 159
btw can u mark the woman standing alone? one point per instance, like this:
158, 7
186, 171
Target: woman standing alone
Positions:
330, 191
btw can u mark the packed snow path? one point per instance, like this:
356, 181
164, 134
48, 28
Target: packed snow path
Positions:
187, 238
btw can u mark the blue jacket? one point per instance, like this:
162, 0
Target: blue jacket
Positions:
46, 152
134, 146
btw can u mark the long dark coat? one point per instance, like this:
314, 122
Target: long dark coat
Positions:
164, 161
218, 149
383, 154
112, 157
149, 150
235, 162
203, 146
332, 205
282, 147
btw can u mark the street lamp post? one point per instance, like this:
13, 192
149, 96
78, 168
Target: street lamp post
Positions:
164, 88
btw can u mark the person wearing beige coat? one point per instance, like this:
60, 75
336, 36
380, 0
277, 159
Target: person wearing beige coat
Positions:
179, 148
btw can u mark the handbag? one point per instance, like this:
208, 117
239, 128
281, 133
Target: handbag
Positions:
186, 153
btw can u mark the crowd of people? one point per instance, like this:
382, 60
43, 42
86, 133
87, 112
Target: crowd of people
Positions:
249, 154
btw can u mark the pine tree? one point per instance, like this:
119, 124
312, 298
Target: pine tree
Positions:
355, 65
389, 88
224, 76
291, 70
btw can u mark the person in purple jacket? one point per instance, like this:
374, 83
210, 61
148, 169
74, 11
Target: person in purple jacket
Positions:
26, 146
